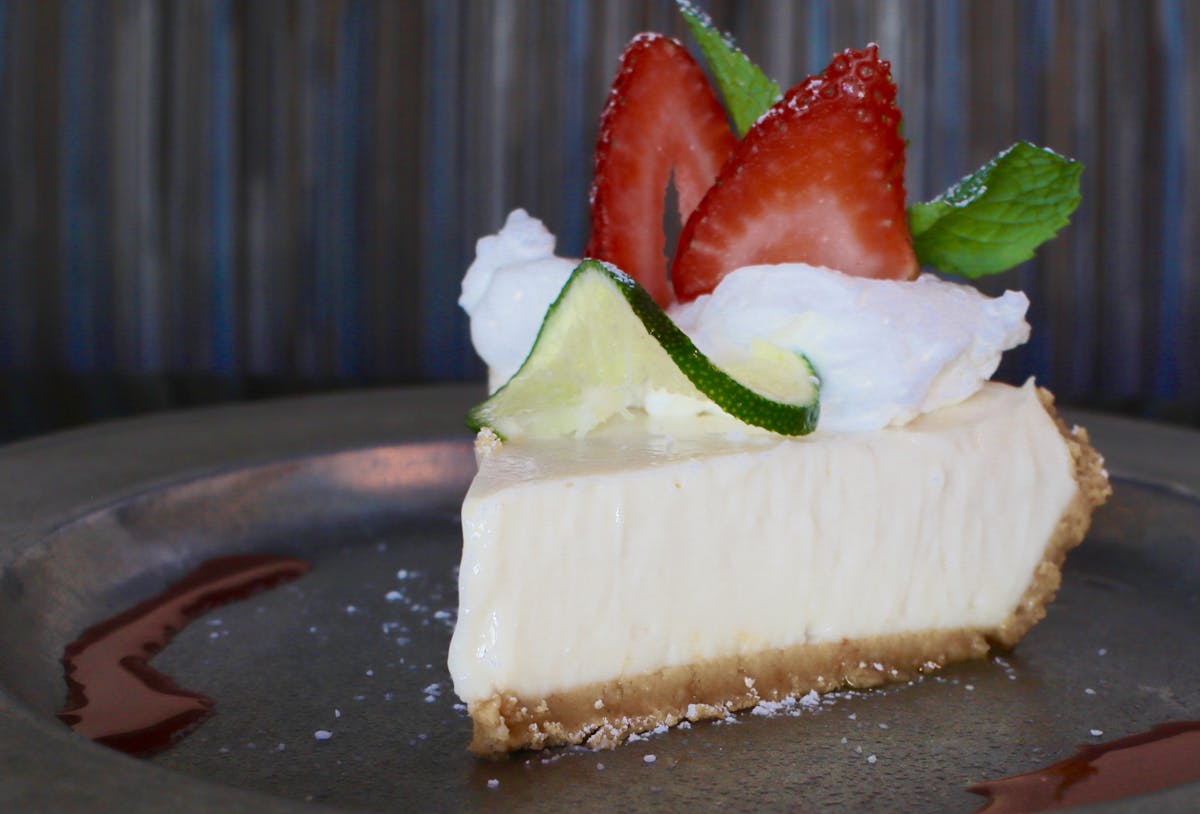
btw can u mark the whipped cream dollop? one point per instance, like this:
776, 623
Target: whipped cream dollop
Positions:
886, 351
506, 291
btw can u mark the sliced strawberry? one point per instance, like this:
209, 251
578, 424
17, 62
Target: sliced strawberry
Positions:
819, 180
661, 116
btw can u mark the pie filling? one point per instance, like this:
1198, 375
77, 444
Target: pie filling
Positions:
655, 572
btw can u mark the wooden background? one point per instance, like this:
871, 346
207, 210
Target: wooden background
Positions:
216, 199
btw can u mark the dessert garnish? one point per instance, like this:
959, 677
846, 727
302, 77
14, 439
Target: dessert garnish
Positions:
815, 179
603, 342
115, 697
994, 218
819, 179
747, 91
988, 222
1144, 763
662, 124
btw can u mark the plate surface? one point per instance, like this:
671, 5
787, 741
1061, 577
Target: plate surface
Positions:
366, 486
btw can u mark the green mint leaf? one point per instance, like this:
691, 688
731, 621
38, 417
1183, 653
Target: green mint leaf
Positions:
994, 218
747, 91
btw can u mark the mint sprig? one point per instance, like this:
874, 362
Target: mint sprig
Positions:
747, 91
996, 217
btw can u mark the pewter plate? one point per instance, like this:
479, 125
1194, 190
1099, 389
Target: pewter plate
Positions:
366, 486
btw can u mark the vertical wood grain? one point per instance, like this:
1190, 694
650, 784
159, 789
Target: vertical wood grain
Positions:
212, 198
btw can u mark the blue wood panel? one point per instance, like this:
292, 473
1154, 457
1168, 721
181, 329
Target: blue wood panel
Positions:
221, 198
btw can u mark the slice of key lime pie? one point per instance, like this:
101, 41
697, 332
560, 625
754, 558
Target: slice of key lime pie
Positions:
780, 469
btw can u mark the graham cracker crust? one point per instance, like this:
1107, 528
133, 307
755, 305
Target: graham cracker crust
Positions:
604, 714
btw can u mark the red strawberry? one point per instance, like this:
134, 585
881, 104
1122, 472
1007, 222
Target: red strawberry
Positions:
661, 116
819, 180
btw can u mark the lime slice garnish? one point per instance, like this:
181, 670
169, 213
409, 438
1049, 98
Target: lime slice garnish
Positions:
604, 344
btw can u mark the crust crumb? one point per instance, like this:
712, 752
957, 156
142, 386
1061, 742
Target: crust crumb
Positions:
1093, 491
486, 442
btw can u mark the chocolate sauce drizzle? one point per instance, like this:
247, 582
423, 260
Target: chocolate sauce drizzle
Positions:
115, 697
1166, 756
